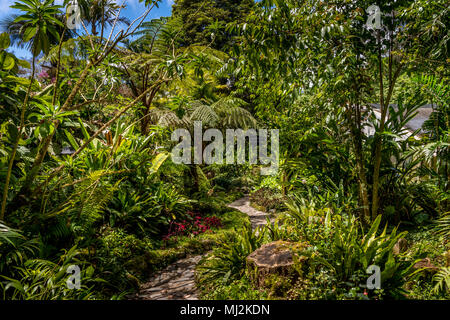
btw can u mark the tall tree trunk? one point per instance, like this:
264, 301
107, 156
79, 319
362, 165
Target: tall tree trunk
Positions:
195, 178
355, 122
378, 138
145, 121
362, 181
384, 105
16, 143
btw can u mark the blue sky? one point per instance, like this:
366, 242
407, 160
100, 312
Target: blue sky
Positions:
132, 11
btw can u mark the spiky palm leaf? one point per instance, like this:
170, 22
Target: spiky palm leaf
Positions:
16, 31
94, 12
440, 90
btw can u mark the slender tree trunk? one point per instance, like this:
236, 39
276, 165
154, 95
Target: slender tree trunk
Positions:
362, 179
355, 122
16, 143
195, 178
147, 103
45, 143
144, 119
378, 138
284, 180
384, 104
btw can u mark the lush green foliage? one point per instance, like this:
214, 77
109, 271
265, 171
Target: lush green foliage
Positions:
85, 167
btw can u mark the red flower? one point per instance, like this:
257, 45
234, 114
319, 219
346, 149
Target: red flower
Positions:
197, 225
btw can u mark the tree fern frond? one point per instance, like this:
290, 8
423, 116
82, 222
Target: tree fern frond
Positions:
443, 280
167, 118
443, 226
205, 114
232, 114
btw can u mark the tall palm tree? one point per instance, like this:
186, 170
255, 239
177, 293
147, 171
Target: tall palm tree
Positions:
16, 30
38, 22
38, 28
100, 13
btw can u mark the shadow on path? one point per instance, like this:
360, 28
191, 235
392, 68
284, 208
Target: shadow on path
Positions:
177, 281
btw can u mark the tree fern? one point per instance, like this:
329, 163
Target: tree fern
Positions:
224, 113
442, 279
443, 226
232, 114
205, 114
167, 118
94, 198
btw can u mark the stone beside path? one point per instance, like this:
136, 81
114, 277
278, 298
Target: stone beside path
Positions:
177, 281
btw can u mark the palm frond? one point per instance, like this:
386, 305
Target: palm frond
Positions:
443, 226
442, 279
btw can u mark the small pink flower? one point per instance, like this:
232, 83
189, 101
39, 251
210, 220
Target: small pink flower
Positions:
43, 74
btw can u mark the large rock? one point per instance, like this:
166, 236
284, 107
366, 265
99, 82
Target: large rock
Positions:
400, 247
275, 258
426, 265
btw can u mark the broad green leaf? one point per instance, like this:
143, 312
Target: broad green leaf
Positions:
158, 161
4, 40
71, 139
9, 62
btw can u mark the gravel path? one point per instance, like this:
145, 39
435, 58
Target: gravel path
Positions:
257, 218
177, 281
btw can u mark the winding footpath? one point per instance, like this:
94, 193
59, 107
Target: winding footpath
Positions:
257, 218
177, 281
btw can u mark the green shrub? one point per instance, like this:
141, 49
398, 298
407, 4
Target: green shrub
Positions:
39, 279
267, 199
227, 262
14, 249
147, 212
122, 259
241, 289
352, 250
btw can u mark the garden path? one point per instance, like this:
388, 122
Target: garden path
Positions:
177, 281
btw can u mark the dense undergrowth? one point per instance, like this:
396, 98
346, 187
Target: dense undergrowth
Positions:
333, 263
89, 184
